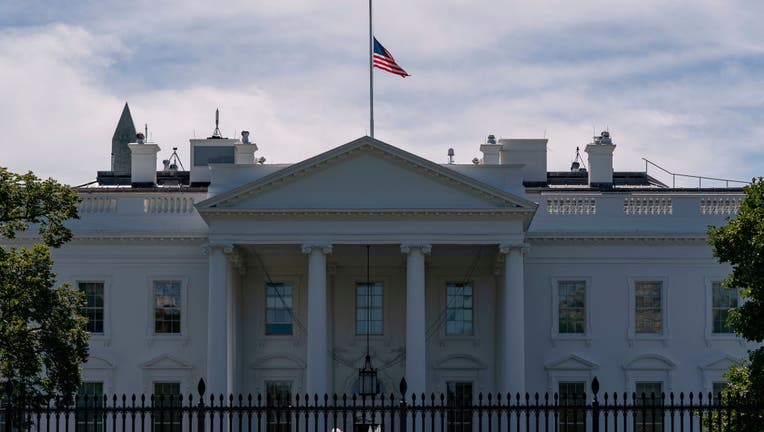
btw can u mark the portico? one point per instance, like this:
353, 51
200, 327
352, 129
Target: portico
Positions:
308, 221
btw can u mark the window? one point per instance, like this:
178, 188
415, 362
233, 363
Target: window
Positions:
278, 309
167, 306
718, 388
167, 415
459, 308
278, 396
572, 396
571, 307
459, 400
648, 309
724, 300
89, 401
93, 309
649, 415
368, 308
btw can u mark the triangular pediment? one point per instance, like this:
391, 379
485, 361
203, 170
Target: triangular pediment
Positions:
166, 361
571, 362
95, 362
366, 174
721, 363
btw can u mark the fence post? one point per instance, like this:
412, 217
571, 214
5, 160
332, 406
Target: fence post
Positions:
8, 406
200, 406
402, 411
595, 406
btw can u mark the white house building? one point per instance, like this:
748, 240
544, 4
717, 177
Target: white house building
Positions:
495, 276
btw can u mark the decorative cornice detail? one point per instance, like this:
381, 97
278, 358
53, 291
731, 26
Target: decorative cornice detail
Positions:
312, 212
325, 248
424, 247
653, 237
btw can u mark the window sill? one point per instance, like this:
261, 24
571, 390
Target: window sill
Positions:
724, 338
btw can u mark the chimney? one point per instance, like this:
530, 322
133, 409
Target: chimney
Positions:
491, 151
143, 162
531, 153
600, 153
245, 151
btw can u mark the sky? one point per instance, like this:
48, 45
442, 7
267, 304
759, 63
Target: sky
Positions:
677, 82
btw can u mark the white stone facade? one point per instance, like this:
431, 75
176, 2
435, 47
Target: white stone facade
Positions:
307, 226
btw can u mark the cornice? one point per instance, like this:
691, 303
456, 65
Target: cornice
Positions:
116, 236
309, 212
651, 237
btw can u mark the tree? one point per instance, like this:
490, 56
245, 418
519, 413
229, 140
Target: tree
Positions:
42, 333
741, 243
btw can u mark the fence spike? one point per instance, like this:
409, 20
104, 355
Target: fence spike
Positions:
201, 387
403, 386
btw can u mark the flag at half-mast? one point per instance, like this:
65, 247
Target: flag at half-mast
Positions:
385, 61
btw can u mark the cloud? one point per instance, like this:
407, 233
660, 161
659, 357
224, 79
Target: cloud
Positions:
676, 82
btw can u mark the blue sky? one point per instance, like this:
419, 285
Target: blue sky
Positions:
677, 82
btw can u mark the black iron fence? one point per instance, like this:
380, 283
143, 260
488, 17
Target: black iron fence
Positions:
394, 412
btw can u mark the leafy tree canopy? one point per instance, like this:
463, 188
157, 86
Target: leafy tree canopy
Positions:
42, 335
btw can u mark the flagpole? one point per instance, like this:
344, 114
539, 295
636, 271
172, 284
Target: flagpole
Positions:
371, 76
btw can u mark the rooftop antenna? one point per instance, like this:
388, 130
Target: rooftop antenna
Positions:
174, 161
578, 164
216, 133
146, 130
450, 156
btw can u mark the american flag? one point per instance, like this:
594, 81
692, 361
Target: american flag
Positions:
385, 61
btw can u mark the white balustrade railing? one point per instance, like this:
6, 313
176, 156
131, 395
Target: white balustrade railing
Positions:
168, 204
647, 205
571, 205
98, 204
720, 205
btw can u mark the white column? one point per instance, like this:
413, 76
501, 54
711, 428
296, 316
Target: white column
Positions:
318, 347
416, 342
217, 320
512, 320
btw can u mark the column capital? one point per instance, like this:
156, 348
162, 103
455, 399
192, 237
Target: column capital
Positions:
426, 248
506, 248
325, 248
227, 248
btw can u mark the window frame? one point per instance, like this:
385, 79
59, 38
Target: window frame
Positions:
94, 415
381, 308
578, 403
75, 280
463, 425
632, 315
709, 330
176, 426
103, 307
554, 292
151, 325
471, 334
292, 333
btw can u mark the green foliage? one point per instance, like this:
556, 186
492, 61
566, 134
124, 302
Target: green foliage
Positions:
25, 199
42, 334
741, 243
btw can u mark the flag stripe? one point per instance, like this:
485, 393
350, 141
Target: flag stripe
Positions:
385, 61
